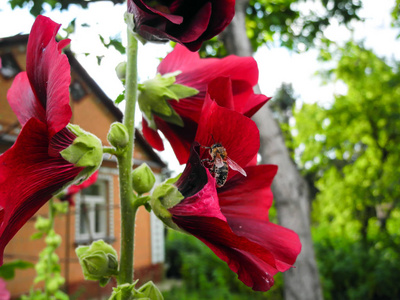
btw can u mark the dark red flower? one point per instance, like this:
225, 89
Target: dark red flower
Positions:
229, 81
76, 188
233, 221
32, 170
186, 22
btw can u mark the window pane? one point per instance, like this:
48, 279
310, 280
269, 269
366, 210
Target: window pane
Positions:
83, 219
93, 190
100, 218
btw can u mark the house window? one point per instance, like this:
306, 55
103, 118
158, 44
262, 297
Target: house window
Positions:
77, 90
94, 212
9, 66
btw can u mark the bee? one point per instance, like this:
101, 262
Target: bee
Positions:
220, 164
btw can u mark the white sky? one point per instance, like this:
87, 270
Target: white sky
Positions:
276, 65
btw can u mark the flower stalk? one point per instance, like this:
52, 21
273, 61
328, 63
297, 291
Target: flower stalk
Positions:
125, 162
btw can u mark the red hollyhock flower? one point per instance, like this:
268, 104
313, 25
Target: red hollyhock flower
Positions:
229, 80
233, 221
76, 188
186, 22
32, 170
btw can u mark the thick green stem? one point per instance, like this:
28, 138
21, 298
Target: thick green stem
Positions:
125, 162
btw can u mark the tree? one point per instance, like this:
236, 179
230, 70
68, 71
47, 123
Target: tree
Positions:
352, 149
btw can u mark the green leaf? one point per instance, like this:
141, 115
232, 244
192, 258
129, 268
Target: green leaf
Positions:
120, 98
36, 236
7, 270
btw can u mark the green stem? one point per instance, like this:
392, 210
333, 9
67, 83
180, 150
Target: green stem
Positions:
110, 150
49, 260
125, 162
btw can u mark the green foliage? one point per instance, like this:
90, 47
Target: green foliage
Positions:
204, 275
7, 270
350, 270
351, 149
116, 42
292, 23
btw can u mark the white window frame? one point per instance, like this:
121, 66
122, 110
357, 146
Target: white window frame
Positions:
157, 234
106, 198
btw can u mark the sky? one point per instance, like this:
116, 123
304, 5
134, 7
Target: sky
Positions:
276, 65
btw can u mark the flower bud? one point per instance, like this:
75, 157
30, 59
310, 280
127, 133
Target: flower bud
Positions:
53, 239
143, 179
120, 69
118, 135
98, 261
150, 291
42, 224
85, 151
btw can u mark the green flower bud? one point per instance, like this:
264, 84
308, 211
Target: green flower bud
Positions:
53, 239
85, 151
165, 196
120, 69
143, 179
154, 94
118, 135
42, 224
150, 291
99, 261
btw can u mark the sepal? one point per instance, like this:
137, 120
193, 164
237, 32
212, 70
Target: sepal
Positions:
127, 291
154, 94
124, 291
166, 196
85, 151
150, 291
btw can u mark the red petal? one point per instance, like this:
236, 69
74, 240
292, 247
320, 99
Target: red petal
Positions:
180, 138
49, 73
223, 12
28, 178
248, 197
152, 136
237, 133
220, 90
196, 26
23, 100
254, 264
197, 72
254, 103
198, 187
146, 10
283, 243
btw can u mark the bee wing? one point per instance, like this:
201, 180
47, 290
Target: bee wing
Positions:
219, 162
235, 166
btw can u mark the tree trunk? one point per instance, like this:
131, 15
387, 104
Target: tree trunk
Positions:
290, 189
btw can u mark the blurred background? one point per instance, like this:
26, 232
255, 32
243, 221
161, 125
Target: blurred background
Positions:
332, 127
